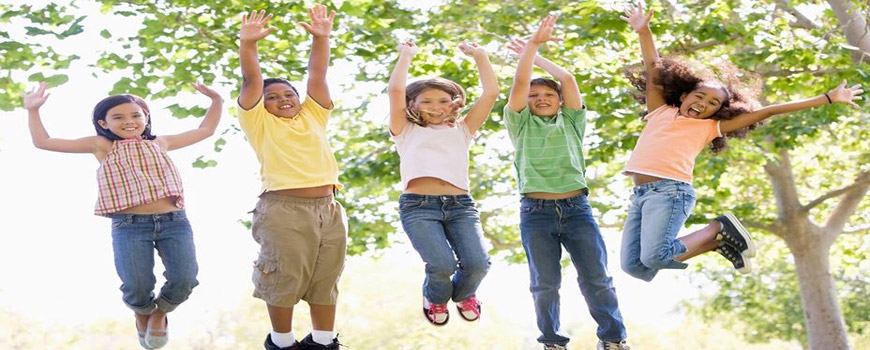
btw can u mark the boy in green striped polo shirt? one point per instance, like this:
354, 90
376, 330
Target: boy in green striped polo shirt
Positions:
546, 124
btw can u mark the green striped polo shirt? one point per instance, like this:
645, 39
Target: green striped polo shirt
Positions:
549, 153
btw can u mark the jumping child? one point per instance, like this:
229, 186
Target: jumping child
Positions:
437, 212
688, 110
140, 190
301, 228
546, 122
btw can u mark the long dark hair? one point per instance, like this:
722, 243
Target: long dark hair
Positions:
103, 107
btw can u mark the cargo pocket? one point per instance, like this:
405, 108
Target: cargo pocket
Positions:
265, 275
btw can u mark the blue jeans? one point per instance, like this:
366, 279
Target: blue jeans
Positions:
548, 225
649, 240
134, 239
446, 231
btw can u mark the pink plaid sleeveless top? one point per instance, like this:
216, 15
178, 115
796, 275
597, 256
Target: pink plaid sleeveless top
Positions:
136, 172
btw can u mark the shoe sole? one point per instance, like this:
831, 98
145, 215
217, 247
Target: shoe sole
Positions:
749, 252
747, 265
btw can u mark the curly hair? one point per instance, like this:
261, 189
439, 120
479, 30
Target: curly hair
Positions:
413, 90
681, 75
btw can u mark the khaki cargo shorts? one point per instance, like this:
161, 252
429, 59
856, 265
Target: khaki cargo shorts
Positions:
302, 249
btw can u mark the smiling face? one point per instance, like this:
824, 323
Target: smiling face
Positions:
127, 120
703, 102
281, 100
544, 101
434, 106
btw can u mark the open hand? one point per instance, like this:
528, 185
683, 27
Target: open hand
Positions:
205, 90
321, 23
635, 17
254, 26
848, 95
36, 98
408, 47
545, 30
471, 49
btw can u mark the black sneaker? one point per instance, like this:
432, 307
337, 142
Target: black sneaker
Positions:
612, 345
555, 347
740, 261
271, 346
309, 343
734, 234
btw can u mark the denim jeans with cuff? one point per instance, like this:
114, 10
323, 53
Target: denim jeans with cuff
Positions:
135, 237
446, 231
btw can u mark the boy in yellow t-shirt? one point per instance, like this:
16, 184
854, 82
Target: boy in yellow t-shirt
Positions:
301, 229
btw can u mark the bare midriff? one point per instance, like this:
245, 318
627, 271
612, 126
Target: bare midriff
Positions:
640, 179
433, 186
307, 192
160, 206
549, 195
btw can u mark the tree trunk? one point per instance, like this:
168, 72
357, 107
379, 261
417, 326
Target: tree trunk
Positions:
824, 319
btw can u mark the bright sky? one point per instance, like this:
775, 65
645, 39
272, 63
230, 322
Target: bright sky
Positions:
56, 256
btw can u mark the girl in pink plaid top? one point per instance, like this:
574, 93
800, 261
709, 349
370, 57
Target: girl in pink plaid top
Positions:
140, 190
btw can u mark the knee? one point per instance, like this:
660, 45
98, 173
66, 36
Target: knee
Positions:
443, 268
655, 261
478, 267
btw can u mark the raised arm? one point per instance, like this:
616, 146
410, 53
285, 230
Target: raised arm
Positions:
570, 90
519, 95
639, 21
318, 60
840, 94
396, 87
206, 127
488, 81
32, 102
253, 29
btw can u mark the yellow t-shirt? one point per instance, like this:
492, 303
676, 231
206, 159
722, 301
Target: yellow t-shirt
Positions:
293, 152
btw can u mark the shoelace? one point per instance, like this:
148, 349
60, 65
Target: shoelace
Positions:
471, 304
728, 254
437, 309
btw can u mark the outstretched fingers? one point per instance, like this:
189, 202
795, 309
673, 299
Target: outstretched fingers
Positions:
36, 97
321, 21
636, 17
846, 95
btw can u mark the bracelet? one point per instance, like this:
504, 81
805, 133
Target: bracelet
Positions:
830, 102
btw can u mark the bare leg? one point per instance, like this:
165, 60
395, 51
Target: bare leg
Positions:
281, 317
322, 317
157, 321
701, 241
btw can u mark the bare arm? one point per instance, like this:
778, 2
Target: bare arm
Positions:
570, 90
519, 95
253, 29
639, 20
32, 102
483, 106
318, 60
206, 127
840, 94
396, 87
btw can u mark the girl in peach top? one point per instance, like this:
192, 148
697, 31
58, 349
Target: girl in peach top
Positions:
689, 110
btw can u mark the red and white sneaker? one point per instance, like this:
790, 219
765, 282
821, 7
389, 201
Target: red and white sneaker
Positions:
436, 313
469, 309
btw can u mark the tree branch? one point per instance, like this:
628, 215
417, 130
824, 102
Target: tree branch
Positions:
800, 21
847, 206
857, 230
854, 27
836, 193
784, 188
